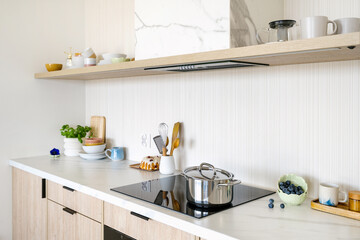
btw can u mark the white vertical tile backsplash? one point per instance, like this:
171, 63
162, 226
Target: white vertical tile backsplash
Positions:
259, 123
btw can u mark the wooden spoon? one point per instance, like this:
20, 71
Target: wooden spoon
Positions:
175, 145
167, 141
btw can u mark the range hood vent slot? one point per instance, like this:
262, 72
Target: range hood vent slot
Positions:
205, 66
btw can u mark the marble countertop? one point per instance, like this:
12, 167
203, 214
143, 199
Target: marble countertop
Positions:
253, 220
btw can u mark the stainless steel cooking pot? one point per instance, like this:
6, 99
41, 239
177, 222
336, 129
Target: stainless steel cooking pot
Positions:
207, 186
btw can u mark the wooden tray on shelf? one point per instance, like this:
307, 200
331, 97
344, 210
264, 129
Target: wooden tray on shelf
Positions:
341, 209
137, 166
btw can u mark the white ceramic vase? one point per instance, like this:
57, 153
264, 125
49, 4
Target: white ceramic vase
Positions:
72, 147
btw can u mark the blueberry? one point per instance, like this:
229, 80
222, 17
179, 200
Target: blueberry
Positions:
288, 182
282, 205
281, 183
287, 192
300, 188
271, 205
292, 185
271, 200
301, 191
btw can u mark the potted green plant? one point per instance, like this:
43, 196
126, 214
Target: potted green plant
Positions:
73, 138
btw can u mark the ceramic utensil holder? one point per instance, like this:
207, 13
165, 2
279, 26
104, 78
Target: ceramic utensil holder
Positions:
167, 165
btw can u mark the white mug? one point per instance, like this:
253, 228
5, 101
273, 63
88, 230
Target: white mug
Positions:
329, 194
167, 165
312, 27
347, 25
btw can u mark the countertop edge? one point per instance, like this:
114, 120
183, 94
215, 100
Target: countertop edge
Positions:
186, 226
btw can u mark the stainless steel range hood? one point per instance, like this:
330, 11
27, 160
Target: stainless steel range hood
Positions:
205, 66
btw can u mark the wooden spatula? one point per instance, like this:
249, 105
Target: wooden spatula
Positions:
174, 136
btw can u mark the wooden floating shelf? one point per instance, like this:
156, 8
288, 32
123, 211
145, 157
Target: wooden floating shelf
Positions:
323, 49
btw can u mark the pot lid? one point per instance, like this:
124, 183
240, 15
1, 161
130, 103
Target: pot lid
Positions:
207, 172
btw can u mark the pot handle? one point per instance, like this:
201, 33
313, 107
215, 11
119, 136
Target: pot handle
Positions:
184, 175
231, 183
211, 167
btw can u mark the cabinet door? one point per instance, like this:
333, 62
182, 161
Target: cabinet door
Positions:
140, 227
87, 229
61, 224
29, 206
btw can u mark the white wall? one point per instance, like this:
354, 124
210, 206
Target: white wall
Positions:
33, 33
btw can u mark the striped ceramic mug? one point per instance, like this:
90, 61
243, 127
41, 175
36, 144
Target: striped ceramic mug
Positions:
329, 194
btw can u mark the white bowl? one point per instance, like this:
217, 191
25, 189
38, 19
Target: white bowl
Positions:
88, 53
104, 62
109, 56
94, 149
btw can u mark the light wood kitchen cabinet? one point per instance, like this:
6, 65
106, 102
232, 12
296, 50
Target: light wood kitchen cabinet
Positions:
80, 202
140, 227
29, 210
67, 224
43, 210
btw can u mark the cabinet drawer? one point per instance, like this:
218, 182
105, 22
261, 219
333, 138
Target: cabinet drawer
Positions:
61, 195
65, 224
80, 202
139, 227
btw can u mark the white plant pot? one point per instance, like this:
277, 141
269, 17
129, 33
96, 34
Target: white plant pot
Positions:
72, 147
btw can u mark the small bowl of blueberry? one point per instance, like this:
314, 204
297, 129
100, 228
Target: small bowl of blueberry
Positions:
292, 189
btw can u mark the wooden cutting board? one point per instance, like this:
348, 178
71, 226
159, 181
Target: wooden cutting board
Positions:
98, 127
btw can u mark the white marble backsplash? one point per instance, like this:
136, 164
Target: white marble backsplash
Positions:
179, 27
166, 28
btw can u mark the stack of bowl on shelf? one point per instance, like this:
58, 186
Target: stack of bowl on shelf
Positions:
93, 149
89, 57
109, 58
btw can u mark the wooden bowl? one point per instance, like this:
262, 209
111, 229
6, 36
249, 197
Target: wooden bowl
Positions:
53, 67
93, 141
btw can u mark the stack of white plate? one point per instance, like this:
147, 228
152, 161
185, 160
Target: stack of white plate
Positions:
93, 152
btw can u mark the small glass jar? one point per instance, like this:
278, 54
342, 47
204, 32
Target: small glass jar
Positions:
354, 201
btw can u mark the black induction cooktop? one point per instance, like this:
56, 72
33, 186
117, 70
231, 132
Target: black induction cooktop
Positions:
161, 192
